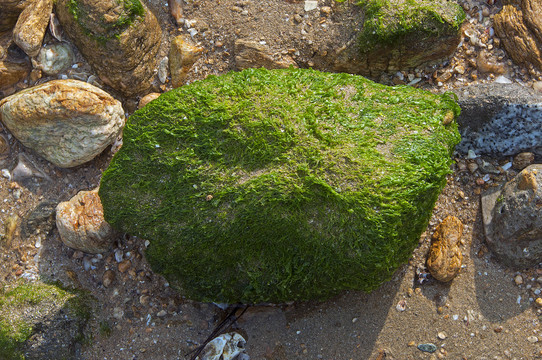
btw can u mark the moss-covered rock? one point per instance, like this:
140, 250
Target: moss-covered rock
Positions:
404, 34
280, 185
41, 321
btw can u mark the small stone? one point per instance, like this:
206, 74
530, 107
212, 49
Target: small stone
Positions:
144, 299
124, 265
401, 305
537, 86
472, 167
459, 69
183, 54
161, 313
498, 329
297, 18
118, 313
147, 99
54, 59
325, 10
108, 278
430, 348
441, 335
445, 258
412, 343
522, 160
538, 302
532, 339
518, 280
311, 5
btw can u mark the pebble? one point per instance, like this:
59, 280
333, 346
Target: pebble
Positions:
518, 280
161, 313
108, 278
538, 302
441, 335
532, 339
430, 348
118, 255
472, 167
401, 305
498, 329
118, 313
124, 265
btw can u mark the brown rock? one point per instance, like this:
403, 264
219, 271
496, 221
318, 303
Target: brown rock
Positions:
522, 160
31, 26
176, 9
119, 39
11, 9
252, 54
527, 180
182, 55
11, 72
108, 278
520, 31
124, 265
444, 259
68, 122
81, 224
147, 99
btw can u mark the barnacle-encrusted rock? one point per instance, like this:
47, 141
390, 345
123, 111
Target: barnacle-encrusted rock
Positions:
444, 259
120, 40
276, 185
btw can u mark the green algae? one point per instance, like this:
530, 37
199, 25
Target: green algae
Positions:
391, 22
22, 301
270, 186
103, 30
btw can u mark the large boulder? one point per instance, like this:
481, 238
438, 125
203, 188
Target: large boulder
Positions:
120, 40
513, 219
277, 185
67, 122
519, 26
399, 35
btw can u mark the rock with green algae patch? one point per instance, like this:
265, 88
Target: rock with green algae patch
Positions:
403, 34
278, 185
42, 321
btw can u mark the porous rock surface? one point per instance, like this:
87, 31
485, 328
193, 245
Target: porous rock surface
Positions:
445, 258
31, 26
519, 25
81, 224
322, 184
119, 39
67, 122
513, 219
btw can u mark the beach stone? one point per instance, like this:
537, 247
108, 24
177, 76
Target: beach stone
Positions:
445, 258
182, 55
512, 219
400, 36
522, 160
519, 26
67, 122
147, 99
252, 54
14, 63
81, 224
108, 278
11, 9
254, 191
31, 26
119, 39
54, 58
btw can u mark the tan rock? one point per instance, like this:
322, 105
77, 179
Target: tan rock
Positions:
11, 9
11, 72
68, 122
124, 265
520, 31
527, 180
522, 160
252, 54
444, 259
176, 9
120, 42
31, 26
147, 99
81, 224
182, 55
108, 278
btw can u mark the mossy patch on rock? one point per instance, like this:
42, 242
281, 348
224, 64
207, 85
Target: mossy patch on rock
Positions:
41, 321
269, 186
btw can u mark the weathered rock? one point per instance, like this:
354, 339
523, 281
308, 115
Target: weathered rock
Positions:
444, 259
520, 30
68, 122
252, 54
255, 191
81, 224
120, 40
513, 219
42, 321
14, 64
11, 9
182, 55
147, 99
176, 9
31, 26
403, 35
499, 119
54, 58
522, 160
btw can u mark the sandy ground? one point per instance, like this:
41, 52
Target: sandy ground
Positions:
482, 314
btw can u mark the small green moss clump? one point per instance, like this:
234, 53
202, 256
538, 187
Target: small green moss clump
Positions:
104, 30
23, 304
390, 22
270, 186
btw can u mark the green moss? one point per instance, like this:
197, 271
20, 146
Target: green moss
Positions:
15, 325
390, 22
280, 185
104, 31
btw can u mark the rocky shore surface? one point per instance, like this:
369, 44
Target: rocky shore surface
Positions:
490, 309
